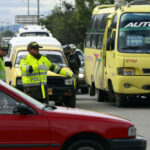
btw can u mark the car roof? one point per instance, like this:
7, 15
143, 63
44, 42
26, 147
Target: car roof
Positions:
32, 28
24, 41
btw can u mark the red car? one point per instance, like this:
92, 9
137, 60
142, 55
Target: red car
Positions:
27, 124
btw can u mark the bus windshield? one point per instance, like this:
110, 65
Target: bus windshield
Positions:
134, 33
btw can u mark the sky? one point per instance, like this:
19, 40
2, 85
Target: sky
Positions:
10, 8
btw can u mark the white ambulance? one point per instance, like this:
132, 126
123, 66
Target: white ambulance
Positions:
33, 30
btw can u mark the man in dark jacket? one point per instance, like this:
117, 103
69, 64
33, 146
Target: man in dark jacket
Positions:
74, 61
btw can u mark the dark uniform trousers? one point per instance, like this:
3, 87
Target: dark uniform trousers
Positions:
36, 92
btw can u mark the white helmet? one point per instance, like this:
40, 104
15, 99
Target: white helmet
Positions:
72, 46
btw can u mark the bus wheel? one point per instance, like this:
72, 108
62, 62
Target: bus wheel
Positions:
101, 95
92, 89
85, 144
121, 101
111, 94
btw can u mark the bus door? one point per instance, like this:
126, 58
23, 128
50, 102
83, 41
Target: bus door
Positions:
109, 53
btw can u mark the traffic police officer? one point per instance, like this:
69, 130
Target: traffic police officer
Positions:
34, 69
3, 52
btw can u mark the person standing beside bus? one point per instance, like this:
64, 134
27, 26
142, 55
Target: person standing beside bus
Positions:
66, 50
74, 61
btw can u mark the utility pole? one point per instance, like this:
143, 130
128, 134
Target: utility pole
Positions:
38, 9
28, 8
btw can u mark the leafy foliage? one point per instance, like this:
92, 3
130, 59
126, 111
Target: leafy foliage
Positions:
7, 33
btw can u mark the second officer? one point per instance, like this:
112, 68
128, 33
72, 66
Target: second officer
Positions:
3, 52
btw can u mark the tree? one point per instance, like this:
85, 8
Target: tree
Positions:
7, 33
69, 24
59, 23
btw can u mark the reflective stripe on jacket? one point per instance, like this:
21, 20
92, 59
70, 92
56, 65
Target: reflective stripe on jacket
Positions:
39, 74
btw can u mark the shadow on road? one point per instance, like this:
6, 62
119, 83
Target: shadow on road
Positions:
131, 103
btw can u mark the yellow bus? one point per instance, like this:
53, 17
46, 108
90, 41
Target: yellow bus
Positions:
117, 52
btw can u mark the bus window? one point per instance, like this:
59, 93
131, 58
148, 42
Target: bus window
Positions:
88, 41
99, 41
94, 41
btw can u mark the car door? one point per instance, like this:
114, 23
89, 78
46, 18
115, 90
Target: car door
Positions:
21, 132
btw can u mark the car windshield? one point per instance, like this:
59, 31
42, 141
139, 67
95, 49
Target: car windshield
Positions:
134, 33
34, 34
53, 55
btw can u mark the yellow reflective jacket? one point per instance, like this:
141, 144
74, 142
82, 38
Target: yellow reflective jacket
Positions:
38, 76
2, 70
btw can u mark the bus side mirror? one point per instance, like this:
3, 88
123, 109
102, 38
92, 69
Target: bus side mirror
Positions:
110, 44
8, 64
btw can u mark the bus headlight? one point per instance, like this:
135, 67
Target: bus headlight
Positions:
126, 71
81, 75
68, 81
132, 131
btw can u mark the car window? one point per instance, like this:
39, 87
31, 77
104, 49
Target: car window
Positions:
7, 103
25, 96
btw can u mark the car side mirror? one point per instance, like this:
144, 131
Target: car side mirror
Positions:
22, 109
110, 44
8, 64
